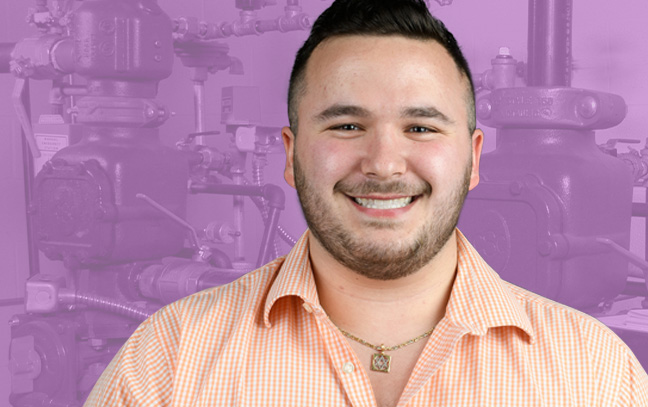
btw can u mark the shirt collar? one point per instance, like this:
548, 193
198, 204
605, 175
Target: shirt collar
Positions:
295, 278
479, 300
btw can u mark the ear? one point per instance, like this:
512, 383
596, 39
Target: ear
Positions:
476, 149
289, 145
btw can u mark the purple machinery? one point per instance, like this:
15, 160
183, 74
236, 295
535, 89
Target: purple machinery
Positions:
552, 212
111, 205
550, 196
553, 209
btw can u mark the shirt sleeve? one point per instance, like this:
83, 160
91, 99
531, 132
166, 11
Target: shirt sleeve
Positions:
634, 387
141, 373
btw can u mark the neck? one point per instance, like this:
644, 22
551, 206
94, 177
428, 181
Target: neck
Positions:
385, 311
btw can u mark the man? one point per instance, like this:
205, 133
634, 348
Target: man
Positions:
383, 301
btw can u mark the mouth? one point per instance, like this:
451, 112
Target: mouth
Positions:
384, 202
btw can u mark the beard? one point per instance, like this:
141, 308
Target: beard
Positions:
370, 259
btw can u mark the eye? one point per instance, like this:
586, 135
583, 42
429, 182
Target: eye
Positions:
346, 127
421, 129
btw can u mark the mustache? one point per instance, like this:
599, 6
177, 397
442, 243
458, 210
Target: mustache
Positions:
391, 187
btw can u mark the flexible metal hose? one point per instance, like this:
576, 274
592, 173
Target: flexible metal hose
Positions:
110, 305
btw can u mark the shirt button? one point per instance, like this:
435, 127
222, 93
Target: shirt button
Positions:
307, 307
348, 367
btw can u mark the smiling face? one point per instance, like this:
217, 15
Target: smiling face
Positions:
384, 158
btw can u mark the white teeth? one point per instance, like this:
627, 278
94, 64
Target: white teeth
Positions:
384, 203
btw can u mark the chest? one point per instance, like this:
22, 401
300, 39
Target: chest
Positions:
303, 366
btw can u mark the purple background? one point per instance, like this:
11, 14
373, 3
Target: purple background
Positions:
609, 55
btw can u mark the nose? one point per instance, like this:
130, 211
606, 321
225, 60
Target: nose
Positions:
384, 157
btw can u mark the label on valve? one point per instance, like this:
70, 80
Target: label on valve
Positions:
53, 134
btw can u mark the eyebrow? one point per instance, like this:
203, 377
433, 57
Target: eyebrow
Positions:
429, 112
338, 110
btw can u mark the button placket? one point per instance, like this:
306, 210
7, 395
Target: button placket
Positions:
355, 382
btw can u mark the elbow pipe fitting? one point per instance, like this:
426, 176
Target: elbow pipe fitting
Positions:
275, 196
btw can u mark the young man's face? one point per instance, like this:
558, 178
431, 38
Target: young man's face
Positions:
383, 157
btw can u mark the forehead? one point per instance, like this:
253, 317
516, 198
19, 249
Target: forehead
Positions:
384, 72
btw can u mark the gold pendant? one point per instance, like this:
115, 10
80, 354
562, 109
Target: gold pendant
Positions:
380, 362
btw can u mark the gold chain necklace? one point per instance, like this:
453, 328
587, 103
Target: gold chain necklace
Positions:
379, 361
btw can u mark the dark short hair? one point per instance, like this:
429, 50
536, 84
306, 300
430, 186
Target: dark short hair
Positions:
407, 18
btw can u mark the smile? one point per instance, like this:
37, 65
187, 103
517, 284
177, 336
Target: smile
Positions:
384, 203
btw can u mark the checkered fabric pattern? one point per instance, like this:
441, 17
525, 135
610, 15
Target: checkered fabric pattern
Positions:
264, 340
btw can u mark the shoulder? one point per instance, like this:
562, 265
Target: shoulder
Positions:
223, 304
179, 339
574, 335
570, 342
556, 320
206, 315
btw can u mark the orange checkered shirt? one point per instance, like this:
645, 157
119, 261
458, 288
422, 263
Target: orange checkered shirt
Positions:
264, 340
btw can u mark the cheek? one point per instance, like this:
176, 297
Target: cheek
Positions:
328, 163
439, 164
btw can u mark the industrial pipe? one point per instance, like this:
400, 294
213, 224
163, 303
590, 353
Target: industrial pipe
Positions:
260, 204
272, 193
268, 236
5, 55
549, 48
